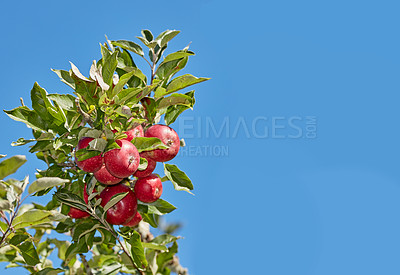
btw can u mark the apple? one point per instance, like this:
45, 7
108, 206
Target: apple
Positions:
76, 213
104, 177
89, 165
151, 165
134, 221
148, 189
169, 137
123, 162
124, 210
134, 132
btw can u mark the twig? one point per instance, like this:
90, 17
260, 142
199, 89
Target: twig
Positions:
85, 264
85, 117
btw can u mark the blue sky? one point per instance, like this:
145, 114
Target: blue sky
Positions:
303, 177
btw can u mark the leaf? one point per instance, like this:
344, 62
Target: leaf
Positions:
44, 183
148, 144
109, 65
125, 78
29, 253
114, 200
129, 45
143, 164
11, 165
83, 154
179, 179
65, 77
147, 35
18, 238
5, 204
182, 82
176, 55
159, 207
71, 199
155, 246
167, 69
164, 37
29, 117
173, 112
83, 229
67, 102
175, 99
164, 239
137, 251
49, 271
40, 102
35, 217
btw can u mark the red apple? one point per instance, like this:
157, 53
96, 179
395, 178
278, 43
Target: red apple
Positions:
135, 220
104, 177
148, 189
134, 132
151, 165
89, 165
124, 210
169, 137
123, 162
76, 213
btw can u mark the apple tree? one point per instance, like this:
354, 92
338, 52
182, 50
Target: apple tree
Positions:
101, 144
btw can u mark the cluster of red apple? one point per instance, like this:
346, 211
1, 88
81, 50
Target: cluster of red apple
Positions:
115, 165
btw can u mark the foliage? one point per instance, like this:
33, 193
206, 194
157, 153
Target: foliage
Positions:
116, 96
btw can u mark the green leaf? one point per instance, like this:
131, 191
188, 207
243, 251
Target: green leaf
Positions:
126, 77
155, 246
182, 82
49, 271
179, 179
11, 165
137, 251
5, 204
175, 99
114, 200
44, 183
18, 238
159, 207
173, 112
40, 102
29, 117
164, 239
143, 164
167, 69
148, 144
29, 253
147, 35
65, 77
83, 154
129, 45
164, 37
152, 219
109, 65
84, 229
67, 102
35, 217
176, 55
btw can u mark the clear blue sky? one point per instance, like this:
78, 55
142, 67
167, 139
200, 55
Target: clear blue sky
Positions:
320, 194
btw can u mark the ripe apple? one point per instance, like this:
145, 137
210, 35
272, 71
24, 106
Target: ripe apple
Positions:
76, 213
134, 132
124, 210
151, 165
169, 137
134, 221
148, 189
123, 162
104, 177
89, 165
